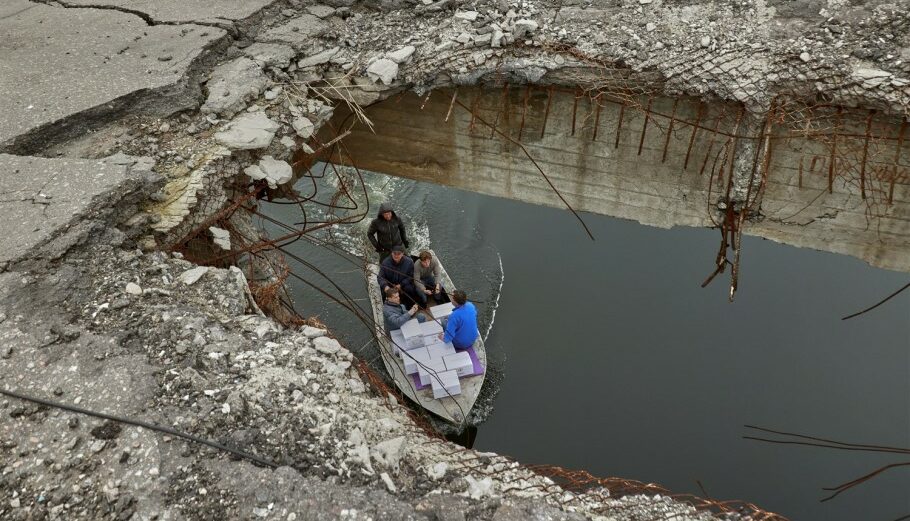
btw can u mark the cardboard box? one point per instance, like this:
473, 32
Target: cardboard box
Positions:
440, 349
398, 342
460, 363
430, 328
426, 371
413, 336
442, 310
412, 357
446, 385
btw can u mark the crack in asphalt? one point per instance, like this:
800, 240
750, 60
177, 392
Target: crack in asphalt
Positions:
231, 28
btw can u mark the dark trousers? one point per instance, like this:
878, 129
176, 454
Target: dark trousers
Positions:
429, 282
410, 295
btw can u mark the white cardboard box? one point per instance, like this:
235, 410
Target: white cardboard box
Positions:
412, 357
446, 385
426, 371
398, 342
430, 327
439, 349
413, 336
442, 310
459, 362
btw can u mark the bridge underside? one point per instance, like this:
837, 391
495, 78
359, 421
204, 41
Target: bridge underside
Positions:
827, 178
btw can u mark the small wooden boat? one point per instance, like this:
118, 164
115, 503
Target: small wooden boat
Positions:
453, 408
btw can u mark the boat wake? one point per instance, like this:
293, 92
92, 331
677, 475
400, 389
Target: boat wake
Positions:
502, 278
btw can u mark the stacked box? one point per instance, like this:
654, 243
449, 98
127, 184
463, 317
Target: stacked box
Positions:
398, 342
441, 349
442, 310
430, 331
413, 337
427, 372
446, 385
459, 362
412, 358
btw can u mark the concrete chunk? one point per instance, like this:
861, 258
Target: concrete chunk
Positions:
384, 70
401, 55
270, 54
248, 132
295, 32
273, 171
319, 58
232, 85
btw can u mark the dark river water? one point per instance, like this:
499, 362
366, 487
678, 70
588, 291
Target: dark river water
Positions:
608, 356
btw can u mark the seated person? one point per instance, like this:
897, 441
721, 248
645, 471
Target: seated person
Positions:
426, 279
397, 271
394, 314
461, 326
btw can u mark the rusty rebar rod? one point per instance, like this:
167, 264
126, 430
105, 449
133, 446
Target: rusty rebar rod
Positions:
622, 113
862, 165
644, 126
503, 106
831, 162
663, 158
546, 114
524, 110
575, 110
695, 127
596, 100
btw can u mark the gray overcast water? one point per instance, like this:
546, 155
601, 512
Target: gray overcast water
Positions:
610, 357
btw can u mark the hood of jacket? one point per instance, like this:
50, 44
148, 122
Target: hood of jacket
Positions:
386, 207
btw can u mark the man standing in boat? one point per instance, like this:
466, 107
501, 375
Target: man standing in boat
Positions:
397, 271
426, 279
394, 313
386, 231
461, 326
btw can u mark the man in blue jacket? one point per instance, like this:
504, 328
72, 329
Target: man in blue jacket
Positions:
397, 271
461, 327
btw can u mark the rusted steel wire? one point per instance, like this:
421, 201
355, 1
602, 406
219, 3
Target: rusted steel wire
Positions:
540, 170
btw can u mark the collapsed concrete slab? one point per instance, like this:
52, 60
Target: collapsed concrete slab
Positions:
101, 60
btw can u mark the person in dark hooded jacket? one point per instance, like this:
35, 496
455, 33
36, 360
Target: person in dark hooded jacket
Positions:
386, 231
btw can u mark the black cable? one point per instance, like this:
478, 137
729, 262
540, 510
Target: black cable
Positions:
140, 423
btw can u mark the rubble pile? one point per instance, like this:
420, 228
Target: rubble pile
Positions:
152, 337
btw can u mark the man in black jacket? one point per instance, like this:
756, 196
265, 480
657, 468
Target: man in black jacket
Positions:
386, 231
397, 272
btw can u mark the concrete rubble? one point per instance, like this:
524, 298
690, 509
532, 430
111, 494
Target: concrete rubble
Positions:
131, 130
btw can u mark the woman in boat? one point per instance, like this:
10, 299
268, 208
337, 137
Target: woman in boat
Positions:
394, 313
461, 326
